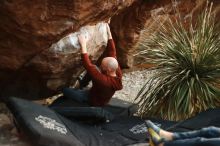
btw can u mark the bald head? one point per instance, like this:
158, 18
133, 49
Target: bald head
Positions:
109, 64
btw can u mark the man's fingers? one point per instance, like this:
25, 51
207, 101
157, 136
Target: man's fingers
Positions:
109, 20
81, 37
109, 32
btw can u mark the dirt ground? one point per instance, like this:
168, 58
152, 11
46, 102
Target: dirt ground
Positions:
8, 133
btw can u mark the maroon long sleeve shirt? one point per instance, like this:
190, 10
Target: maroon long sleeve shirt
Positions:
104, 86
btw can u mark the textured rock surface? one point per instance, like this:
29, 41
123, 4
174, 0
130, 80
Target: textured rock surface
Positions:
127, 26
28, 28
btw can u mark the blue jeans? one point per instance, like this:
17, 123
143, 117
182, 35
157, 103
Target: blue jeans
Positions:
78, 95
88, 112
84, 111
204, 137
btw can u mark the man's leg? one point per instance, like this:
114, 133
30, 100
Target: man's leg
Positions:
90, 112
179, 138
209, 132
76, 94
198, 141
84, 80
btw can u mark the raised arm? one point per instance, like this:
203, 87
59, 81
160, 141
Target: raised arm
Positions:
91, 68
111, 51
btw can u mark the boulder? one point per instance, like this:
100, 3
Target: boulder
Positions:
33, 66
28, 67
145, 17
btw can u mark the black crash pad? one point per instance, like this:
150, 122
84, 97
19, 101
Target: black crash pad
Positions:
45, 127
210, 117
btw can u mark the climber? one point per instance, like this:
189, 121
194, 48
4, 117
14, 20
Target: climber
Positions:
106, 79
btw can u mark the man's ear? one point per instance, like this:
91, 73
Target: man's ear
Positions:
109, 69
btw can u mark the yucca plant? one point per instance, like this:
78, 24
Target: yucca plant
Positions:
187, 73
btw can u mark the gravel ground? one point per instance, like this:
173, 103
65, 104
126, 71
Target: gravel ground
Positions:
132, 83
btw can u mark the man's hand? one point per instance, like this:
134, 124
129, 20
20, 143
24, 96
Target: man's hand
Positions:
82, 41
109, 32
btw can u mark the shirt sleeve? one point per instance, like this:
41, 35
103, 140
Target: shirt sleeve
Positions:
111, 51
95, 74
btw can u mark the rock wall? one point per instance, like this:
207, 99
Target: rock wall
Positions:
28, 28
147, 15
29, 69
127, 27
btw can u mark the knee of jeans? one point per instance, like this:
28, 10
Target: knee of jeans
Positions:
212, 128
66, 90
208, 129
204, 129
201, 139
